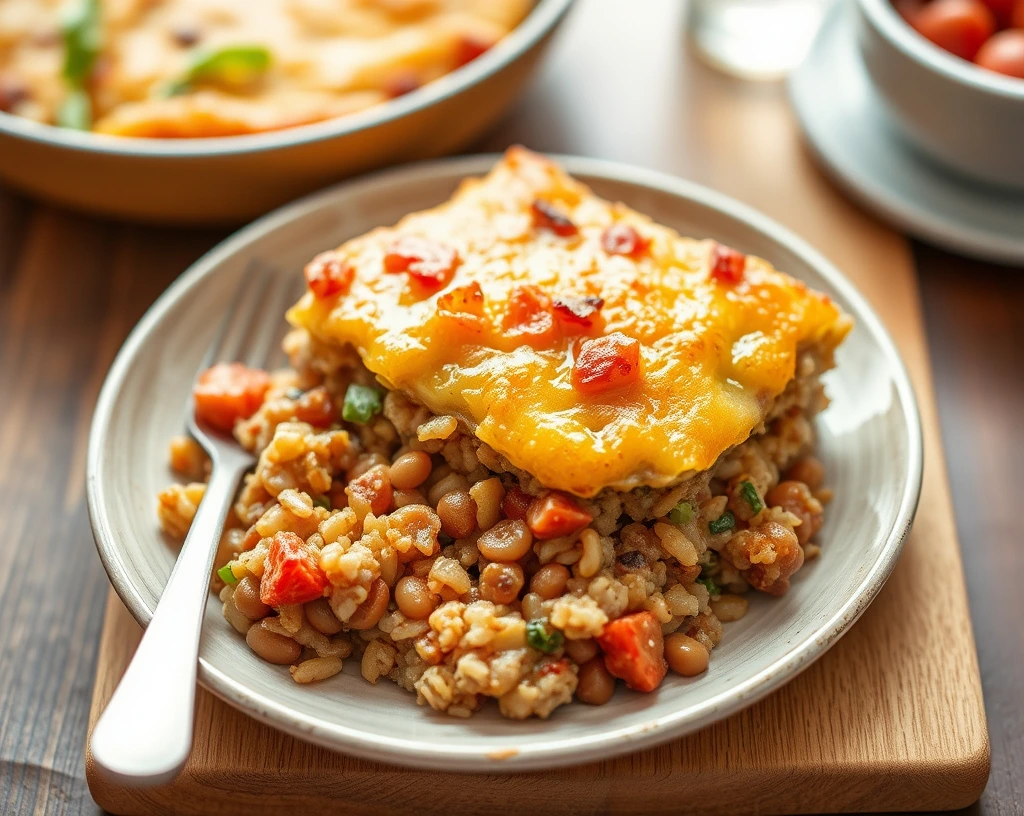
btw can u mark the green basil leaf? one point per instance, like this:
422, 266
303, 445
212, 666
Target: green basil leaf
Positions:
235, 66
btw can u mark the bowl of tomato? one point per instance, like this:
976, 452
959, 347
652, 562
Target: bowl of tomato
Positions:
951, 75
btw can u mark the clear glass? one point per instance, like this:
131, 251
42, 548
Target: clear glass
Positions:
755, 39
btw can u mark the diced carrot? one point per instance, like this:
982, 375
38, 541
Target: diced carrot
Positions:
606, 363
428, 262
516, 503
292, 573
552, 515
228, 392
328, 275
727, 264
634, 650
547, 216
622, 239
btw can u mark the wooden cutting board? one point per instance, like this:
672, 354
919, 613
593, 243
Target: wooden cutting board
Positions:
890, 719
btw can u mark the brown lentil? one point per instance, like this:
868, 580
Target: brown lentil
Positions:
247, 599
729, 608
501, 583
410, 470
596, 684
414, 598
685, 655
322, 618
507, 540
457, 512
549, 581
372, 609
271, 646
449, 484
581, 651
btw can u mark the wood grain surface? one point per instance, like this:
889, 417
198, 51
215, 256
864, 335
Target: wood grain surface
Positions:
71, 287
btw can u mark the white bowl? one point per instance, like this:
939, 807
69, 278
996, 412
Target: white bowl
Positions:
967, 118
870, 440
231, 179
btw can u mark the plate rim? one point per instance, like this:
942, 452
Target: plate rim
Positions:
556, 752
907, 213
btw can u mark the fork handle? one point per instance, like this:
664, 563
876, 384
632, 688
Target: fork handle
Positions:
145, 734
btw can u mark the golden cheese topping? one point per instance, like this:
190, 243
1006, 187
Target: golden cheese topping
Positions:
291, 62
590, 346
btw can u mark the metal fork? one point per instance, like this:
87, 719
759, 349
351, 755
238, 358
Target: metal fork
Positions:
145, 734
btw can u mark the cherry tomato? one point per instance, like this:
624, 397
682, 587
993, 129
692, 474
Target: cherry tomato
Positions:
1017, 15
1004, 53
958, 26
908, 9
1002, 9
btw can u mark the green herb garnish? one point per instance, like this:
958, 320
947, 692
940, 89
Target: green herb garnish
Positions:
75, 112
709, 583
82, 40
724, 523
538, 636
361, 404
234, 66
682, 513
749, 494
322, 501
226, 575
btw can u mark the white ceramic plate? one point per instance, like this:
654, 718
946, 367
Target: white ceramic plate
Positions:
870, 441
845, 123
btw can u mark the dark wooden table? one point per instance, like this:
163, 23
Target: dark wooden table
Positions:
72, 286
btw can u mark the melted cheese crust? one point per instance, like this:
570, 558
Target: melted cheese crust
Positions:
329, 58
713, 355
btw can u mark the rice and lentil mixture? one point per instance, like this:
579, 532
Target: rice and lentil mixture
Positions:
378, 530
434, 574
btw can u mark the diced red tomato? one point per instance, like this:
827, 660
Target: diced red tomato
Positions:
622, 239
548, 216
727, 265
292, 573
428, 262
316, 407
529, 312
634, 650
606, 363
468, 48
465, 303
579, 313
228, 392
374, 489
516, 503
958, 26
328, 275
552, 515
